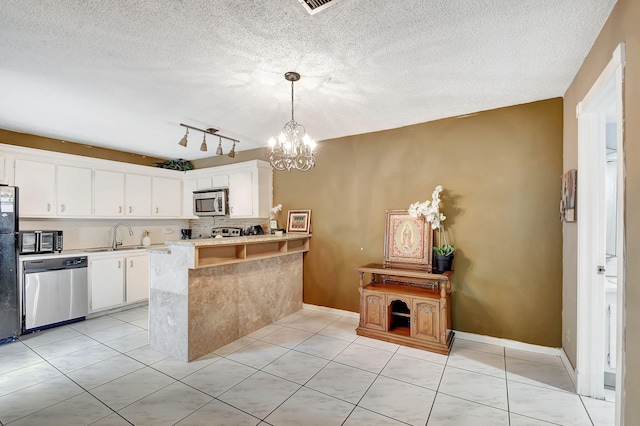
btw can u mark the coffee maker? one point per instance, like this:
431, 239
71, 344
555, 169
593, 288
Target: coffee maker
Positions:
186, 234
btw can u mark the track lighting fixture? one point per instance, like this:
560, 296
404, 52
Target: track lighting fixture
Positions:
211, 131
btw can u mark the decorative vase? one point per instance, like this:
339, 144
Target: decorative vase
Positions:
146, 240
443, 263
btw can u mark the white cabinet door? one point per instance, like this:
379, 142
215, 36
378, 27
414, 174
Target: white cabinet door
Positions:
241, 194
204, 183
137, 282
188, 186
106, 282
214, 181
108, 193
37, 182
137, 191
220, 181
167, 196
74, 191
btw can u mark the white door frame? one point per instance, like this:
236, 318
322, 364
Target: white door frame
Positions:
591, 233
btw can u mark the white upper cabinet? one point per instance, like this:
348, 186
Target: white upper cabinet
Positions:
137, 195
250, 186
188, 186
167, 194
108, 193
220, 181
37, 183
64, 185
74, 191
241, 194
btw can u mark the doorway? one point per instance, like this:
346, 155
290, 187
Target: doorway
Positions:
600, 198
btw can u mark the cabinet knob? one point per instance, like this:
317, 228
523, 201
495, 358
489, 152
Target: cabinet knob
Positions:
119, 264
156, 210
61, 207
131, 263
130, 209
119, 209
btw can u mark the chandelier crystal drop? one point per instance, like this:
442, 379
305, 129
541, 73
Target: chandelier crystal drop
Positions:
293, 148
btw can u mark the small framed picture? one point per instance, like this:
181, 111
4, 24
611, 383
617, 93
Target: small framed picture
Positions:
299, 221
273, 224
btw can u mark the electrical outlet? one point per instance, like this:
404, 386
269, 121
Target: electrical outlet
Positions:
167, 231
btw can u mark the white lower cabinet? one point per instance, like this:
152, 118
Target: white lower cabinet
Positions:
137, 278
116, 280
106, 282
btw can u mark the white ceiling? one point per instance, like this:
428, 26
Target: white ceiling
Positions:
123, 74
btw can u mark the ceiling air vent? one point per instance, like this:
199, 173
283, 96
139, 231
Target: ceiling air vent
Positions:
315, 6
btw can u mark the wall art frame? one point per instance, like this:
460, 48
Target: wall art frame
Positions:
568, 196
299, 222
408, 241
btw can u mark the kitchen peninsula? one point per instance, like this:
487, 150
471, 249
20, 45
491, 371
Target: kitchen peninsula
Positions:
209, 292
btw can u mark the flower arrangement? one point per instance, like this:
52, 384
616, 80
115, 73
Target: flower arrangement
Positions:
275, 210
430, 209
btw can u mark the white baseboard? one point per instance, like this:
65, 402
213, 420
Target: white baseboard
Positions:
512, 344
333, 311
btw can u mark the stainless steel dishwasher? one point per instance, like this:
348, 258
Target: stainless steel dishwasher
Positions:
54, 292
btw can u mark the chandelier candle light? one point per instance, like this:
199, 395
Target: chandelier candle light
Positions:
293, 148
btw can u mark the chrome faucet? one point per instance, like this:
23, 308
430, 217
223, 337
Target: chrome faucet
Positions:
114, 243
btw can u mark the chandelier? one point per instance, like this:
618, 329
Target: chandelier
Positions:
293, 148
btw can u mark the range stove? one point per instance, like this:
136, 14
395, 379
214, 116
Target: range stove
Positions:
227, 231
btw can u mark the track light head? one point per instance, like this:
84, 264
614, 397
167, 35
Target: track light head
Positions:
232, 153
203, 146
183, 141
219, 150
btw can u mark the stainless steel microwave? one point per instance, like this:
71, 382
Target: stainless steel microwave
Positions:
34, 242
211, 202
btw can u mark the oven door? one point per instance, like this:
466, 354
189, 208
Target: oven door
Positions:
28, 242
47, 242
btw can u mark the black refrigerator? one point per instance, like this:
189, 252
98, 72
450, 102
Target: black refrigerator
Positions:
9, 302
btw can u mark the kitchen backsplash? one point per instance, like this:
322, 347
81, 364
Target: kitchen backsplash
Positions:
91, 233
201, 228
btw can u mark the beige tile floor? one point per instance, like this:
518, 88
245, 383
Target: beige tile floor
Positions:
309, 368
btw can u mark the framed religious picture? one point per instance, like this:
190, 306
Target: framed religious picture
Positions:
568, 196
408, 241
299, 221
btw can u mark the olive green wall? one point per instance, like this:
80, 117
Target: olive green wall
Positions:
622, 26
48, 144
500, 171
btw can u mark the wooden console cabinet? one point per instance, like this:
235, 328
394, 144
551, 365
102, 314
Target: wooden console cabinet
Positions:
407, 307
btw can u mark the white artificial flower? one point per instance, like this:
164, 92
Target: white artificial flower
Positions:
429, 209
276, 209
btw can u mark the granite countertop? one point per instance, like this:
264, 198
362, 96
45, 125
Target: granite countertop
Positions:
93, 251
237, 240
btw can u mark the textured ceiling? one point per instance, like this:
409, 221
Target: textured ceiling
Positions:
123, 74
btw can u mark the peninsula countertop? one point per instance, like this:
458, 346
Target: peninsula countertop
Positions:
248, 239
208, 252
